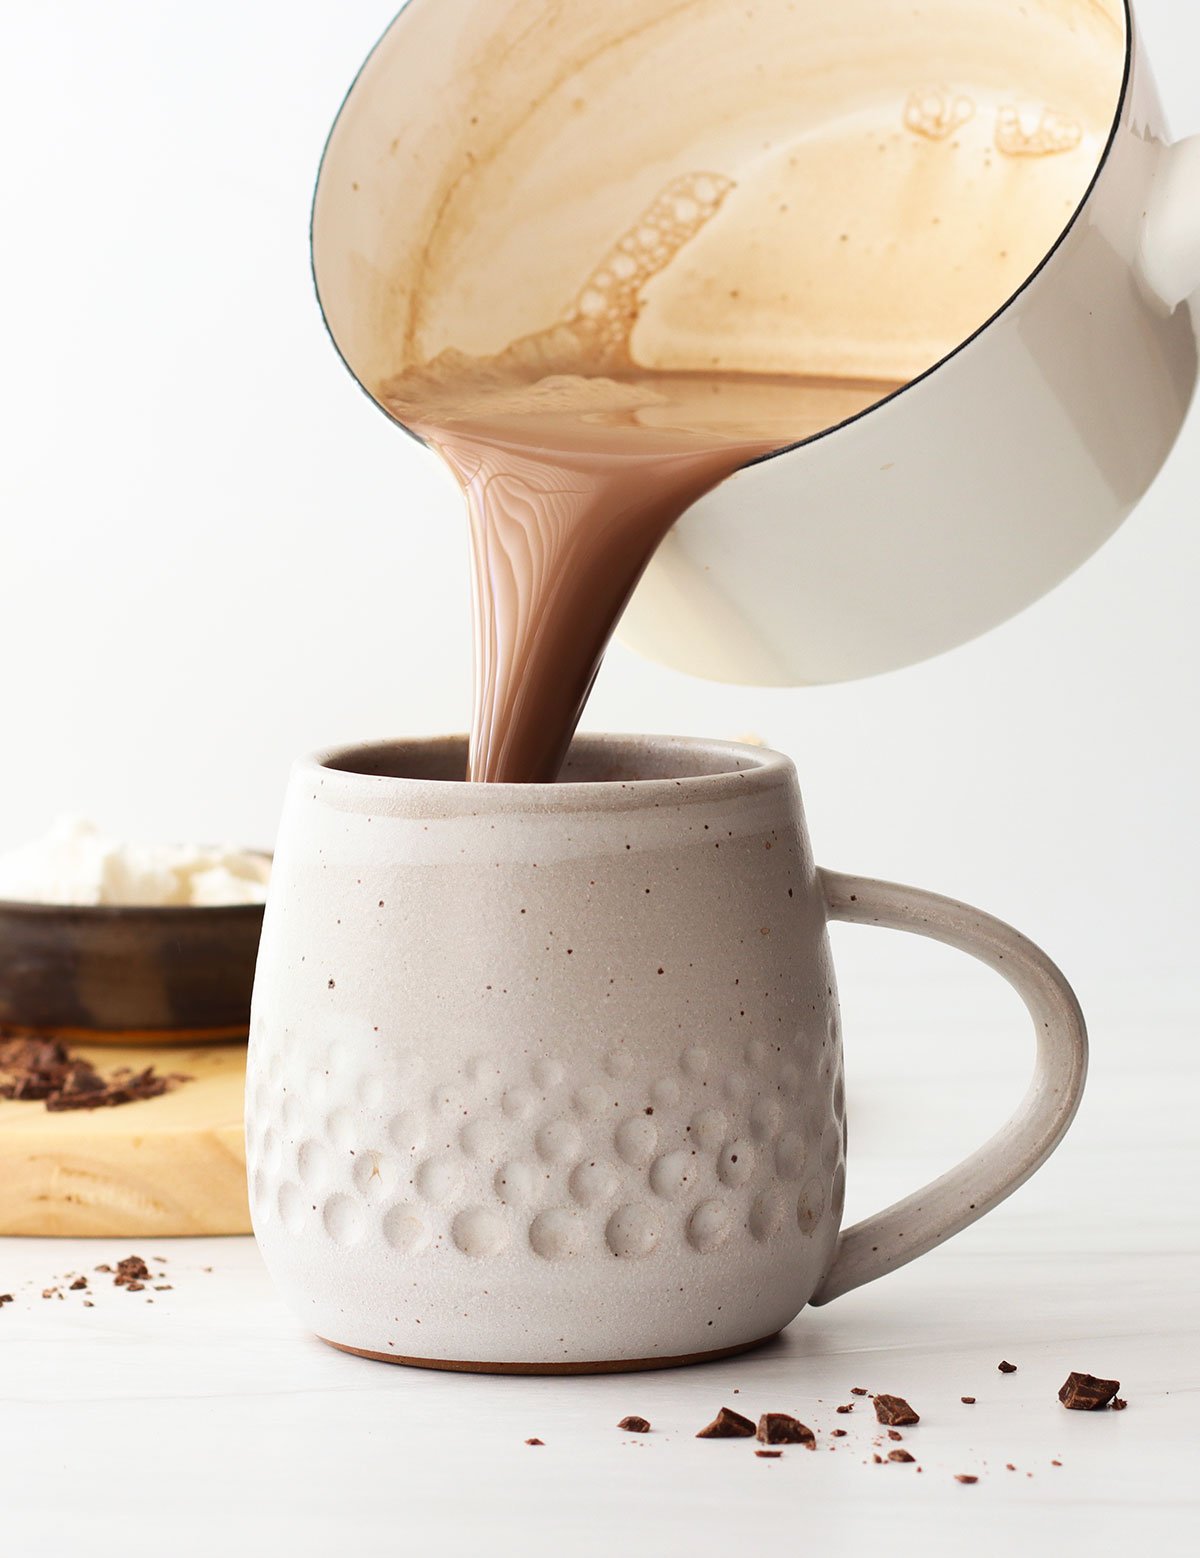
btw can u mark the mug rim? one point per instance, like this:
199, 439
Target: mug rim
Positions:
729, 769
1118, 116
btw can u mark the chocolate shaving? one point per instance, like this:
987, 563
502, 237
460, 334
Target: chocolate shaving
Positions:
1086, 1393
45, 1071
895, 1412
768, 1455
728, 1424
782, 1428
1006, 1367
900, 1455
634, 1425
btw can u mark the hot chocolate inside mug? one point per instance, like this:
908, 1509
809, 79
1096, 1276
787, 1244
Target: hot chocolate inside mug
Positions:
548, 1078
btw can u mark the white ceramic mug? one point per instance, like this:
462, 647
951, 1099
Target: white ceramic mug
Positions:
548, 1078
1047, 376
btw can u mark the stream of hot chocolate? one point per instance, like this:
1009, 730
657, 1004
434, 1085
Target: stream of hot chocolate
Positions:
575, 463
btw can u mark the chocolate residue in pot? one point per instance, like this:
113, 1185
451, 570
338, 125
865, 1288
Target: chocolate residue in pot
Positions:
45, 1071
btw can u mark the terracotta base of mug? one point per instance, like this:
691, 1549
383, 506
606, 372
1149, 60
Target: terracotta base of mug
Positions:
607, 1366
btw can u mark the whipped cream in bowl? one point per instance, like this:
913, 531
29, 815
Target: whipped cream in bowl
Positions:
104, 940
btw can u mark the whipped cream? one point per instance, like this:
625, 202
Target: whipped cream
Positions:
77, 864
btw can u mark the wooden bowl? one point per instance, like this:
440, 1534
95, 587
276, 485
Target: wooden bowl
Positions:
128, 975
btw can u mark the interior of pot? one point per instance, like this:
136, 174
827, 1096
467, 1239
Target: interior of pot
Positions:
897, 173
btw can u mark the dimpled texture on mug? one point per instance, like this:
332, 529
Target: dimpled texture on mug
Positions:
733, 1143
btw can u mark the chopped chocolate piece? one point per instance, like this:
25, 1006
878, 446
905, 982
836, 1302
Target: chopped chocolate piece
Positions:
964, 1476
1006, 1367
878, 1460
1008, 1466
49, 1292
837, 1433
103, 1268
1118, 1403
728, 1424
901, 1455
849, 1407
634, 1425
136, 1287
895, 1412
535, 1441
7, 1298
892, 1434
857, 1390
967, 1401
79, 1282
1056, 1463
782, 1428
45, 1071
132, 1269
768, 1455
87, 1304
1086, 1393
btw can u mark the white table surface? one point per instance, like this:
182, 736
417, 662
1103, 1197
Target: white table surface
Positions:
209, 1421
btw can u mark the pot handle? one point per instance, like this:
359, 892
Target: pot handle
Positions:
928, 1217
1169, 254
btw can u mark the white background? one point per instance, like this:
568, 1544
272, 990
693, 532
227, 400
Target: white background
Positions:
215, 555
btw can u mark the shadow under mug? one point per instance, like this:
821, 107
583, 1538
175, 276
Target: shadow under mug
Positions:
548, 1078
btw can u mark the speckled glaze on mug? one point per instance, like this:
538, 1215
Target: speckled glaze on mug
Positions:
548, 1078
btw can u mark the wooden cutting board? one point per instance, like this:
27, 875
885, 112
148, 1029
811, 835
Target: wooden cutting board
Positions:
162, 1166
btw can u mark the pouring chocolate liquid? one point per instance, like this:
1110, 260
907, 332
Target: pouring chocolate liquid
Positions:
601, 259
575, 463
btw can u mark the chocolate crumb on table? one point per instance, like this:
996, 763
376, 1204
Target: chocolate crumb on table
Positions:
849, 1407
967, 1401
634, 1425
132, 1273
535, 1441
893, 1434
965, 1476
728, 1424
1118, 1403
1006, 1367
857, 1390
783, 1428
79, 1282
895, 1412
901, 1455
5, 1298
1086, 1393
837, 1433
768, 1455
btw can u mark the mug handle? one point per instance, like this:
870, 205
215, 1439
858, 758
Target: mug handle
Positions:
1169, 250
928, 1217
